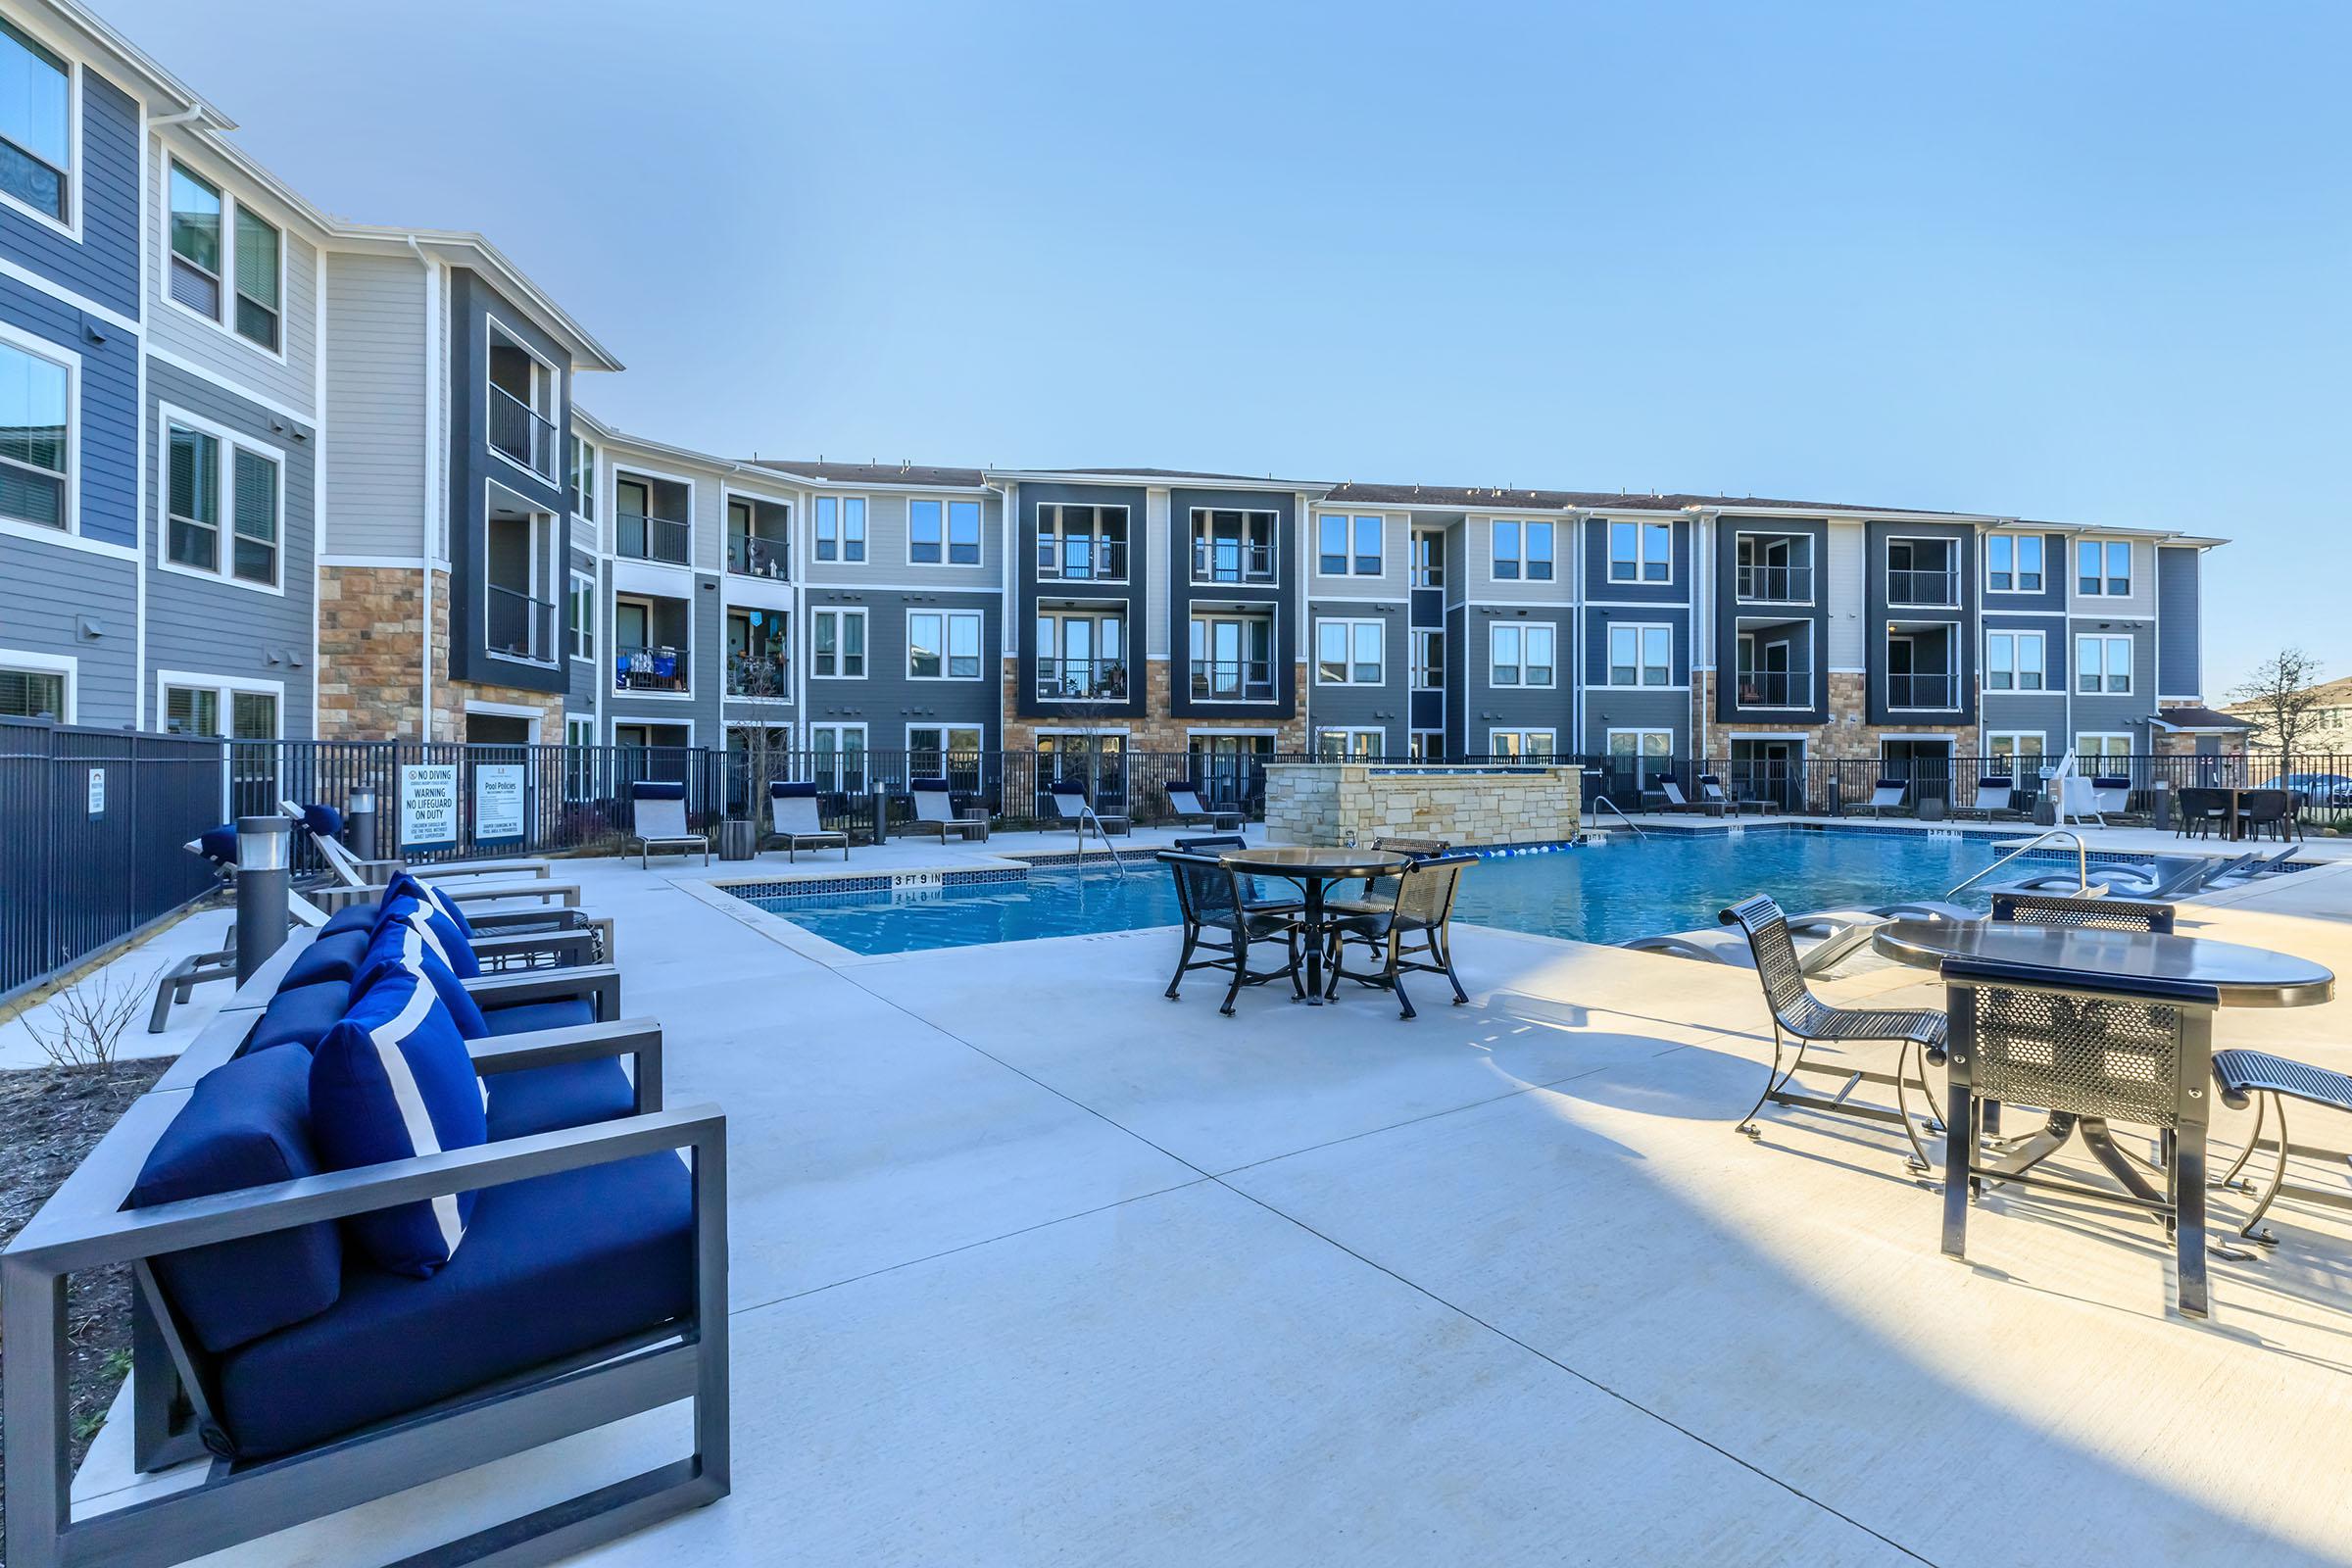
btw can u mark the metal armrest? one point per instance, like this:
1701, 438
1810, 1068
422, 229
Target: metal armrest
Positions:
597, 983
538, 892
429, 873
639, 1039
568, 948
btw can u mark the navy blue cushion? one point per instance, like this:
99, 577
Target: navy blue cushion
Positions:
2110, 782
399, 947
335, 958
570, 1094
246, 1124
447, 941
1892, 784
218, 845
323, 820
359, 917
1069, 788
784, 790
524, 1017
404, 885
392, 1081
1994, 781
656, 792
551, 1267
300, 1016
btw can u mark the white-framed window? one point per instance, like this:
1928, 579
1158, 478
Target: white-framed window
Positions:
2103, 569
1522, 550
1088, 543
1349, 653
1427, 660
223, 501
1521, 744
2100, 746
2016, 661
837, 644
37, 686
1649, 746
1522, 653
2013, 563
837, 756
579, 729
579, 613
945, 751
759, 654
1641, 552
40, 105
1640, 654
1347, 545
840, 528
583, 476
1081, 657
39, 409
1425, 746
228, 263
2018, 753
1350, 745
943, 645
943, 532
2103, 664
1233, 544
224, 707
1232, 658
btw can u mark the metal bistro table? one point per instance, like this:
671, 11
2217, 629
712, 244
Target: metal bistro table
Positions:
2240, 976
1314, 870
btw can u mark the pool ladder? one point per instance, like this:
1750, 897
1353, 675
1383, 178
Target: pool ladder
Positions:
2083, 887
1102, 833
1603, 801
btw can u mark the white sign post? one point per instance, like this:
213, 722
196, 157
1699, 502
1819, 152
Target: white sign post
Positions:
428, 805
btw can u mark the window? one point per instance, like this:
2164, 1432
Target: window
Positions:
36, 126
839, 644
2097, 748
949, 751
1233, 546
2015, 752
195, 243
841, 527
35, 415
579, 615
926, 532
1520, 745
1233, 658
583, 477
2103, 664
1429, 559
1350, 745
1348, 653
759, 654
1522, 550
955, 632
258, 248
1642, 552
193, 491
1425, 746
1520, 655
2013, 563
1348, 546
1087, 542
190, 709
837, 756
1641, 656
33, 694
1920, 572
1427, 660
964, 533
2013, 661
2103, 569
1081, 658
1649, 746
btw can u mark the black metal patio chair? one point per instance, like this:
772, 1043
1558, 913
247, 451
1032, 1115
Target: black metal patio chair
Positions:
2267, 1083
2199, 811
1378, 895
1217, 916
1255, 898
2274, 810
1798, 1014
1414, 933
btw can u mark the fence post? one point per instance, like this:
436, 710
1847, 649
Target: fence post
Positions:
265, 879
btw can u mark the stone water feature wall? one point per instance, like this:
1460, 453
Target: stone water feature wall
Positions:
1466, 805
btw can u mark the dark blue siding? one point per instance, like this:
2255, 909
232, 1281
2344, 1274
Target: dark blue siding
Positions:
2180, 666
110, 405
104, 265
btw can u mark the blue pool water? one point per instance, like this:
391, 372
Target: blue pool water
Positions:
1594, 894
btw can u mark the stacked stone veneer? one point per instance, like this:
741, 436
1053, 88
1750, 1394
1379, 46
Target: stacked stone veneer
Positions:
1849, 736
1324, 803
1156, 729
372, 649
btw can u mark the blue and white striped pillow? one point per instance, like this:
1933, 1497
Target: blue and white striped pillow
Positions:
393, 1081
446, 942
404, 884
400, 946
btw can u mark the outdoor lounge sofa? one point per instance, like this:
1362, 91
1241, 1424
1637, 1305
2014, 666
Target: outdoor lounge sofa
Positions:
657, 823
791, 816
299, 1371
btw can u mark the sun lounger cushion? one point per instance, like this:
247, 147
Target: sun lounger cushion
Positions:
551, 1267
359, 917
446, 940
246, 1124
400, 949
218, 845
335, 958
393, 1081
570, 1094
404, 885
792, 790
323, 820
526, 1018
300, 1016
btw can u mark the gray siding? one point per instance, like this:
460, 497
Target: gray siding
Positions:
1599, 620
103, 266
1384, 706
49, 591
2055, 565
887, 700
1599, 588
1485, 707
886, 544
1605, 711
376, 439
290, 380
212, 625
108, 489
2180, 664
2126, 714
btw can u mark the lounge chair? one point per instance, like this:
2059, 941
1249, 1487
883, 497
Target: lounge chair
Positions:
658, 821
1668, 786
1995, 792
324, 825
1217, 916
1888, 795
935, 811
2110, 795
1184, 802
791, 816
2249, 867
1070, 806
1413, 934
1821, 940
1712, 795
1796, 1013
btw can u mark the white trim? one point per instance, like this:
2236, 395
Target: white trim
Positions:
1984, 553
1551, 734
231, 203
1958, 573
640, 721
42, 283
2073, 577
1608, 657
1652, 604
396, 562
34, 346
2017, 665
1352, 517
865, 652
553, 551
1350, 732
70, 229
946, 544
553, 416
573, 576
536, 715
841, 514
65, 664
1354, 624
858, 585
224, 525
212, 377
1641, 526
222, 687
2074, 670
1130, 547
1522, 684
945, 751
1557, 523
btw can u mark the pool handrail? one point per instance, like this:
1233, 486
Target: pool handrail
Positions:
1604, 801
2081, 861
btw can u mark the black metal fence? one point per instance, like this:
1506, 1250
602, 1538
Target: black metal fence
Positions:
91, 824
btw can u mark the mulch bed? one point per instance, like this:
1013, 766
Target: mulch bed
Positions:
49, 1118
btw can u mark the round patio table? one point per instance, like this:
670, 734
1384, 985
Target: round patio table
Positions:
1314, 869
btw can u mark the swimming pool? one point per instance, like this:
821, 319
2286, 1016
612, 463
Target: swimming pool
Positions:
1594, 893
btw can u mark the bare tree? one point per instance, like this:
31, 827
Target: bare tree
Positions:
2280, 694
85, 1022
757, 675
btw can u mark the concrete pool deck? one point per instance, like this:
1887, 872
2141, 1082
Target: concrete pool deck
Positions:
1031, 1264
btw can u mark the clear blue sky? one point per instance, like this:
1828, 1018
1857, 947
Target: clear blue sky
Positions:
2076, 263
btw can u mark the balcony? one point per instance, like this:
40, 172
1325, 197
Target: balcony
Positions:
1934, 691
1234, 681
767, 676
520, 626
756, 555
1776, 688
1923, 586
1081, 557
1776, 585
650, 669
658, 539
1082, 680
1231, 560
523, 433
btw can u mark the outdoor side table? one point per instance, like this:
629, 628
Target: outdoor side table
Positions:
1314, 870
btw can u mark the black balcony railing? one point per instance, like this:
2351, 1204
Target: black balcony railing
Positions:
750, 555
650, 669
1231, 560
1089, 558
1776, 585
520, 626
768, 675
661, 539
1081, 680
1906, 586
1776, 688
1234, 681
1937, 692
523, 433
